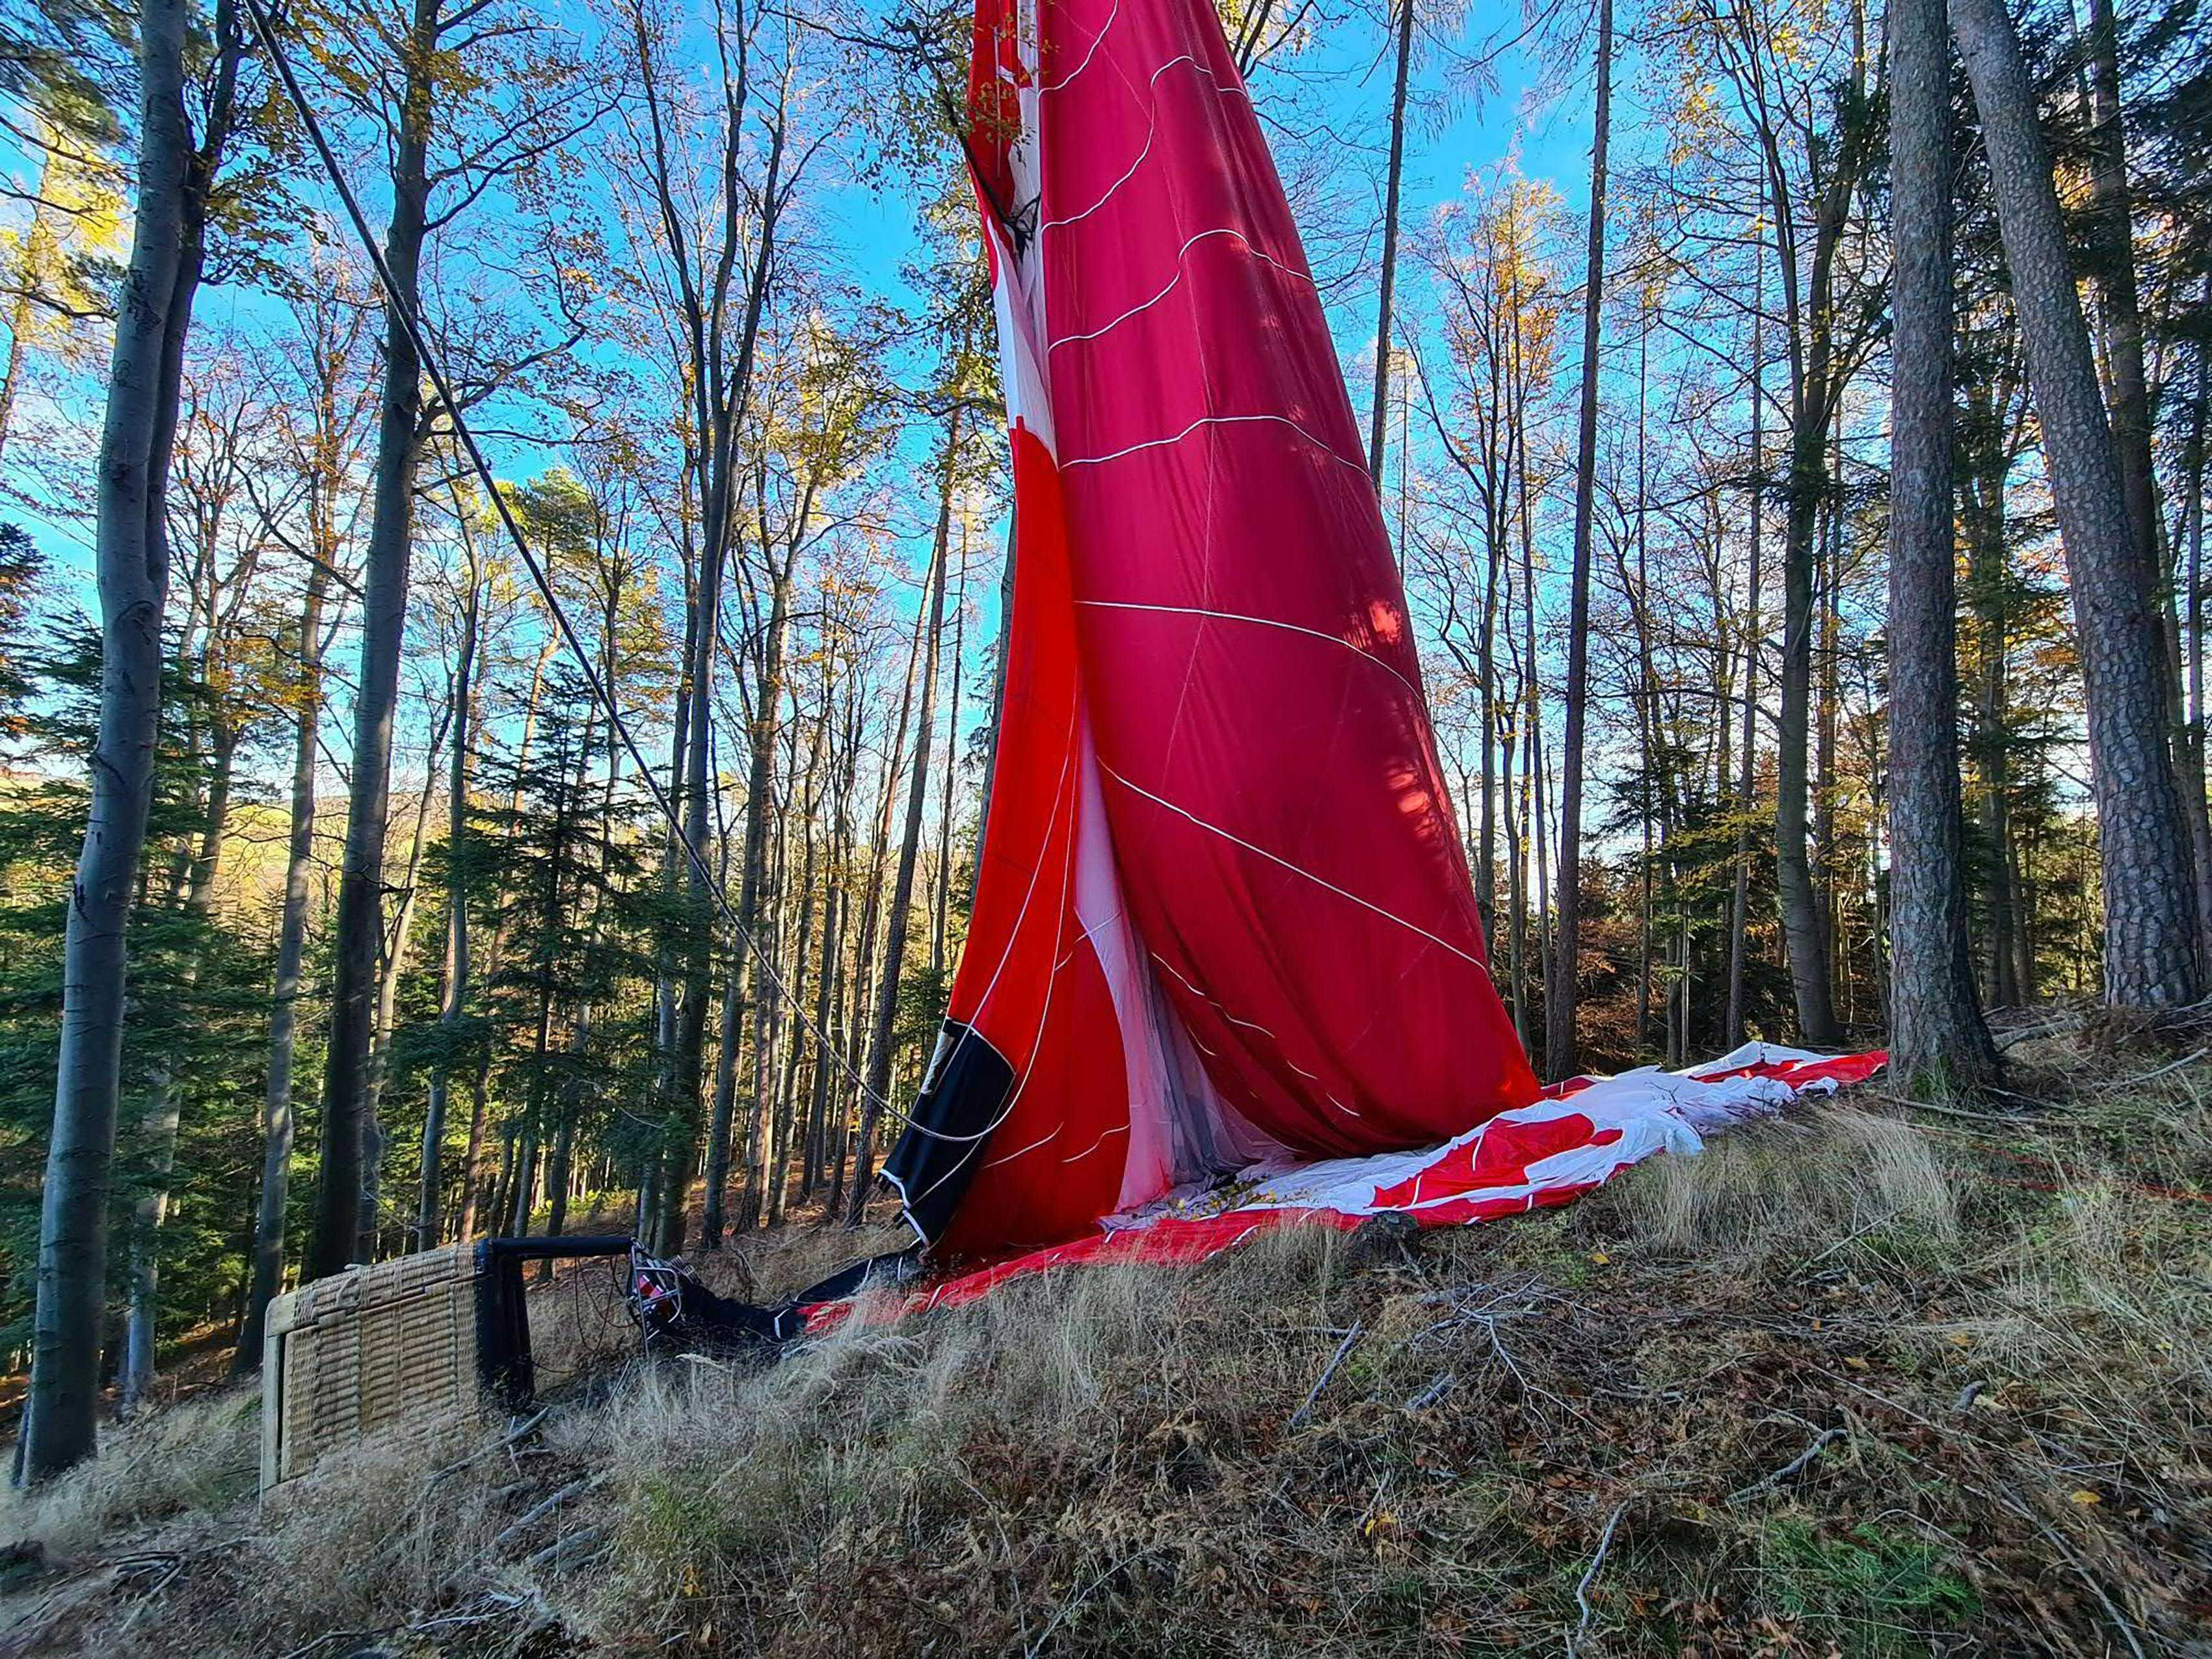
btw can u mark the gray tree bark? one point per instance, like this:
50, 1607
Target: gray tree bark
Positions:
1559, 990
453, 1000
359, 923
881, 1042
153, 314
1747, 775
1379, 418
2149, 900
760, 801
1938, 1043
276, 1125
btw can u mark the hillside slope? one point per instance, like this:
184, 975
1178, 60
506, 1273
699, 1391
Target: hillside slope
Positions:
1863, 1381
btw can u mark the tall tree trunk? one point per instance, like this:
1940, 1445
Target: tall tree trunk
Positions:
1536, 814
1827, 711
1559, 990
2118, 302
392, 965
131, 557
759, 807
453, 1002
277, 1127
1938, 1040
774, 1159
1512, 712
359, 933
1379, 418
882, 1040
1815, 387
2151, 903
1800, 912
943, 903
159, 1123
697, 985
472, 1160
1988, 461
2192, 589
1747, 774
870, 931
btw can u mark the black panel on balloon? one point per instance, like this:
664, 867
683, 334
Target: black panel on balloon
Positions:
953, 1117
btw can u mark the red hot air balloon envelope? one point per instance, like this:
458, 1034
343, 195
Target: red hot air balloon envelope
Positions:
1224, 922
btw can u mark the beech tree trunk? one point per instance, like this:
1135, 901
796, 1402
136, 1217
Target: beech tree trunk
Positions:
131, 559
277, 1128
1379, 418
359, 923
2149, 895
881, 1042
1747, 775
1560, 990
1938, 1040
453, 999
759, 804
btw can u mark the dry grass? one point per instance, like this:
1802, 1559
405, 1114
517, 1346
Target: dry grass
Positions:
1855, 1383
1805, 1182
193, 1458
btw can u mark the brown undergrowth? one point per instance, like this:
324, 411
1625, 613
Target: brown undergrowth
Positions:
1865, 1380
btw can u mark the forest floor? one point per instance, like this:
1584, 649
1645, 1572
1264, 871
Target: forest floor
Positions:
1865, 1380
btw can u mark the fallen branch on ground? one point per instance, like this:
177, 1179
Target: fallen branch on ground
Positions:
1828, 1437
1589, 1577
1322, 1382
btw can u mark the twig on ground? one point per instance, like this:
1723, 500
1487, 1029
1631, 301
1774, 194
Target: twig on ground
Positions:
1826, 1438
1852, 1237
2012, 1120
2131, 1082
1589, 1577
515, 1433
539, 1510
2006, 1040
1327, 1372
1436, 1391
560, 1546
1077, 1599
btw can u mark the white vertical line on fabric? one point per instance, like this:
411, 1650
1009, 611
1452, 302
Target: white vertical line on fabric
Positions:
1219, 1008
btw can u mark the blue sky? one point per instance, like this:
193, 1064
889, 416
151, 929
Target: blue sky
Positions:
1345, 80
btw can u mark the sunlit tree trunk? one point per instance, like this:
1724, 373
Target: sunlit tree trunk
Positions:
881, 1040
276, 1124
1379, 417
359, 924
1747, 774
454, 997
1560, 992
